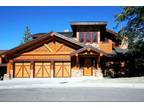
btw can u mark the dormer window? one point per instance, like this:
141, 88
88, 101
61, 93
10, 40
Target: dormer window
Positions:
94, 36
105, 39
88, 37
81, 36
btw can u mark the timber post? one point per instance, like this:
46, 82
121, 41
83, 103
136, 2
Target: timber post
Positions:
10, 69
52, 69
77, 60
98, 62
32, 69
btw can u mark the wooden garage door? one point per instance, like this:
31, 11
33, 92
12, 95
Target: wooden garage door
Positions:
42, 70
62, 69
22, 70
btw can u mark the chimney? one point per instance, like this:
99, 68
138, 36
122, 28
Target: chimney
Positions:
66, 30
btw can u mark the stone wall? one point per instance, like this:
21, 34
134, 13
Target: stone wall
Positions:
77, 73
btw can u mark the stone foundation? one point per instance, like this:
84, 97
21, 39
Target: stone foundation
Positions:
99, 73
77, 73
6, 77
94, 72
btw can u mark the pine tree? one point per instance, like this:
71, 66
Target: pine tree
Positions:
27, 35
134, 29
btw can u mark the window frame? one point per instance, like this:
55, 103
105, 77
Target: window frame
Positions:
81, 36
88, 37
94, 34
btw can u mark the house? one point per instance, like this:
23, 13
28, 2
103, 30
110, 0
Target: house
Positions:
63, 54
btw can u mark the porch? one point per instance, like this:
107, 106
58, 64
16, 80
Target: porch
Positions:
86, 62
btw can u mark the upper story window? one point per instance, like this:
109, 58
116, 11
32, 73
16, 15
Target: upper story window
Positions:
94, 36
87, 36
105, 39
81, 36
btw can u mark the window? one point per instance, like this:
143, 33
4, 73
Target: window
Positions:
81, 36
87, 36
105, 39
94, 36
94, 62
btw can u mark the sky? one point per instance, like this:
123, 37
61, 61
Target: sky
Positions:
13, 20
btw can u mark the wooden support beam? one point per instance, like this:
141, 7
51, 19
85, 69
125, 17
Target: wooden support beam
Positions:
48, 48
32, 69
10, 69
77, 60
98, 62
52, 68
60, 47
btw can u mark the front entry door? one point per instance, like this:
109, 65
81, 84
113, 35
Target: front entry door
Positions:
87, 67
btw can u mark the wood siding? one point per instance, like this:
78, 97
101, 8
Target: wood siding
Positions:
50, 51
45, 57
106, 46
51, 48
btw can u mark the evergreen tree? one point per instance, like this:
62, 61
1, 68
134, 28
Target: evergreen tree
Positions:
134, 29
27, 35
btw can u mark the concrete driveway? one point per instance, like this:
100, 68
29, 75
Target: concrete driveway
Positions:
72, 94
73, 89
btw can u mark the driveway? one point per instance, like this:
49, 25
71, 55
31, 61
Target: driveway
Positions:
72, 89
72, 94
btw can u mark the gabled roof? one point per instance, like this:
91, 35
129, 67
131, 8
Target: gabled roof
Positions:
112, 35
67, 34
2, 51
88, 48
88, 23
39, 35
36, 41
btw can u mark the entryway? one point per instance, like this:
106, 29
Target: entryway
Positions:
88, 71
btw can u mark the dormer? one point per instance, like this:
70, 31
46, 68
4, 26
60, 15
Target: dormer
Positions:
88, 32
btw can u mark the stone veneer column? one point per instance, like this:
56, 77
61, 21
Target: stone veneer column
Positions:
99, 71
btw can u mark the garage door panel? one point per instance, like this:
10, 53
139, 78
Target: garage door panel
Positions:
22, 70
26, 70
38, 70
58, 70
62, 69
42, 69
18, 71
47, 71
66, 71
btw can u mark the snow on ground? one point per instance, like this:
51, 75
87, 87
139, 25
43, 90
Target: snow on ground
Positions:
135, 82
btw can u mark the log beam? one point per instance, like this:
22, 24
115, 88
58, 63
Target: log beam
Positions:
32, 69
10, 69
